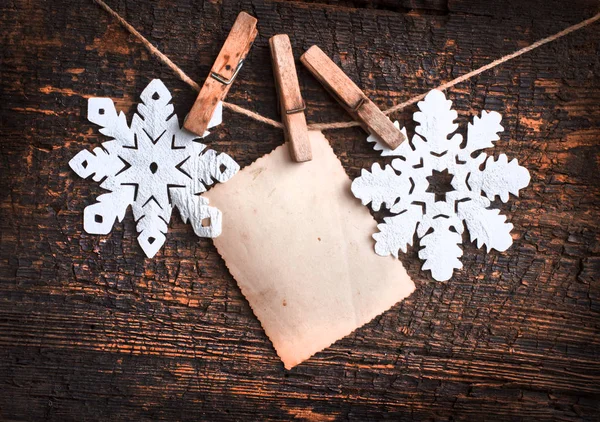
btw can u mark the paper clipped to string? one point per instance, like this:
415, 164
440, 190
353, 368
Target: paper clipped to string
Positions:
298, 244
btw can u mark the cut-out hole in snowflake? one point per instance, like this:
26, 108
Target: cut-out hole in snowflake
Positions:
435, 209
153, 165
440, 183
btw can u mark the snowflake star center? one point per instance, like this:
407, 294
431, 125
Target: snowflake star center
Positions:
153, 167
440, 183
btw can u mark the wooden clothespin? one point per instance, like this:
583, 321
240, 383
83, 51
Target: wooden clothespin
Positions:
223, 72
351, 97
290, 99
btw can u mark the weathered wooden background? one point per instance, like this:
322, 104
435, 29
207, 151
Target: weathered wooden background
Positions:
92, 330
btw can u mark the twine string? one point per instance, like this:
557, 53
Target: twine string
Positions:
339, 125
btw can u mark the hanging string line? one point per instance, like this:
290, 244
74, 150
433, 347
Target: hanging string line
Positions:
339, 125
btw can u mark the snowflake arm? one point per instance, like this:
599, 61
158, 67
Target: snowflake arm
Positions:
483, 132
397, 232
99, 164
401, 150
102, 112
486, 226
502, 177
441, 253
436, 122
152, 224
380, 186
211, 167
99, 218
498, 177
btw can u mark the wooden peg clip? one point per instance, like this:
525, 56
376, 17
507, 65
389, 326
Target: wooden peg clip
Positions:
223, 72
351, 97
290, 99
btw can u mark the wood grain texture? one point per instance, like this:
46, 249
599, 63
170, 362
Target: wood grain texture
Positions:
92, 330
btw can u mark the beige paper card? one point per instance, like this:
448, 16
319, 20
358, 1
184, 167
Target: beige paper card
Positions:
299, 246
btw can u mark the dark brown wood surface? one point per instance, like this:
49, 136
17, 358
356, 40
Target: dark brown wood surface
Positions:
92, 330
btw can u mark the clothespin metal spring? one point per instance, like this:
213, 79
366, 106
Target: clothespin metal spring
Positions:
224, 80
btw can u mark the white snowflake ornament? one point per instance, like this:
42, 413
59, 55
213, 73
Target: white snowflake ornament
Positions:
152, 165
439, 219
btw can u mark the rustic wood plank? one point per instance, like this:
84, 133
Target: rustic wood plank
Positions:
92, 330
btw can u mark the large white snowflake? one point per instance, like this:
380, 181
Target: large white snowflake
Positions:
152, 165
439, 219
